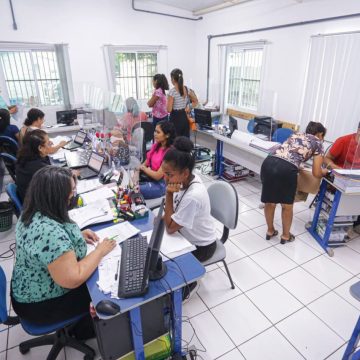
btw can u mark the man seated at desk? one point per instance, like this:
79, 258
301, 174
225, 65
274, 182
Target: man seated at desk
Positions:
344, 152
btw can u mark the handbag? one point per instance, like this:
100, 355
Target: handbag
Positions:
192, 124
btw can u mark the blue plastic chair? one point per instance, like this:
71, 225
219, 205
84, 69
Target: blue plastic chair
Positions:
9, 161
60, 339
8, 145
11, 190
250, 126
281, 135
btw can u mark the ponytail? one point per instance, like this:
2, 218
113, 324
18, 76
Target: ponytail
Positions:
32, 115
177, 76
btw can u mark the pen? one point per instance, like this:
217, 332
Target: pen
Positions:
118, 269
113, 237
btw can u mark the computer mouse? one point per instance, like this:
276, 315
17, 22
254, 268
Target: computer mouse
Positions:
107, 307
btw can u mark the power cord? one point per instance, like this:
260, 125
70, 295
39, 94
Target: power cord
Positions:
10, 252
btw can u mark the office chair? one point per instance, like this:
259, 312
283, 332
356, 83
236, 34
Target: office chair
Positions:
224, 208
250, 126
9, 161
281, 135
11, 190
148, 135
60, 339
8, 145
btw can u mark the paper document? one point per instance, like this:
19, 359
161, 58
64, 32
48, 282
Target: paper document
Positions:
172, 245
92, 214
351, 173
59, 155
247, 139
263, 144
58, 139
84, 186
97, 195
120, 232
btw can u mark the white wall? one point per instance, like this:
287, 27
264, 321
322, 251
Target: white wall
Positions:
287, 54
87, 25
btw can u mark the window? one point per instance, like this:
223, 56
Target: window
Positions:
34, 77
133, 74
243, 75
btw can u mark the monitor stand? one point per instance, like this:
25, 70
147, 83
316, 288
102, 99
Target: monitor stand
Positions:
160, 272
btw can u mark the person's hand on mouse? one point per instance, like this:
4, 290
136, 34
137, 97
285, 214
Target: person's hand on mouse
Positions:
90, 237
173, 187
106, 246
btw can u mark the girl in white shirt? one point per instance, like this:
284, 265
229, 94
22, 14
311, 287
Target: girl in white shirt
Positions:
187, 206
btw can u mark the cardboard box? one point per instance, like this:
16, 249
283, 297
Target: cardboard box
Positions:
307, 182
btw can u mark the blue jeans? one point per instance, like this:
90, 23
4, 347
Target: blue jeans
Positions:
153, 189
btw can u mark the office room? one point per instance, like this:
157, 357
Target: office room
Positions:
214, 143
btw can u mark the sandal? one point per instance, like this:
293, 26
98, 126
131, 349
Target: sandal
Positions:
285, 241
275, 233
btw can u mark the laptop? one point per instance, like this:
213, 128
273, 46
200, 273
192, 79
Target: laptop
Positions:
77, 142
93, 167
77, 159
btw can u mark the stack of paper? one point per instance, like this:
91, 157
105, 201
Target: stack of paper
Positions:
58, 139
97, 195
92, 214
59, 155
119, 232
347, 180
84, 186
263, 144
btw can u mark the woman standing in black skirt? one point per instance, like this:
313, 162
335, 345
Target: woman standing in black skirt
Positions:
176, 104
279, 173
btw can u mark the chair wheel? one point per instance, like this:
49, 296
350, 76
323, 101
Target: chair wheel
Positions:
23, 349
88, 357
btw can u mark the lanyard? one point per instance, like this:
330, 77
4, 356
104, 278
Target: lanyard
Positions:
177, 205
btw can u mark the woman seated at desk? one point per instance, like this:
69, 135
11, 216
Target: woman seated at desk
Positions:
187, 204
35, 120
279, 173
51, 265
152, 184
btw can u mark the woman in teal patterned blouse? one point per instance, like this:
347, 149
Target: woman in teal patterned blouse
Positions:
51, 266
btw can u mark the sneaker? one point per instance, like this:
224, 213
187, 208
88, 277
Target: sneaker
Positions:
189, 291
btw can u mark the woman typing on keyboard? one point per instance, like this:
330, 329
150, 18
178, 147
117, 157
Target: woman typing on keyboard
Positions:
51, 265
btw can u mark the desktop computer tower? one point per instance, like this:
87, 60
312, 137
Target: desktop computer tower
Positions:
114, 335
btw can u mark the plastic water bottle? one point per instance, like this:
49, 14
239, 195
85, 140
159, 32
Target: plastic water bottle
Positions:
216, 123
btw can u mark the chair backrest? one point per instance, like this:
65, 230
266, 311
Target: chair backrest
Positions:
3, 307
148, 134
9, 161
11, 190
250, 126
224, 203
280, 135
8, 145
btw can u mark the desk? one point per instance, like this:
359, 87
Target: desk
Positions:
344, 204
192, 271
69, 130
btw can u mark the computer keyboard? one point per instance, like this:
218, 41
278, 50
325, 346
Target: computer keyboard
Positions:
133, 257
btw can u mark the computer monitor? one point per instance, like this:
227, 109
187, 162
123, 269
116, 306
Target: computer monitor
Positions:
203, 118
233, 124
154, 266
66, 117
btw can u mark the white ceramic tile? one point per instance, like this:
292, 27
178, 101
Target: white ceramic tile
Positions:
242, 191
193, 307
344, 291
298, 251
243, 207
247, 274
274, 301
17, 335
297, 226
7, 265
252, 219
348, 259
277, 215
354, 244
232, 355
249, 320
249, 242
233, 253
253, 187
211, 267
338, 354
261, 231
300, 206
269, 345
302, 285
215, 288
252, 200
338, 314
310, 241
240, 228
309, 335
4, 248
34, 354
8, 235
273, 261
3, 338
327, 271
3, 356
209, 336
306, 215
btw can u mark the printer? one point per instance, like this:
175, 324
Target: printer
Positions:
265, 125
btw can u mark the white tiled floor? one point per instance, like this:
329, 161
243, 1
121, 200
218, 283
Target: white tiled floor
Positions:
290, 301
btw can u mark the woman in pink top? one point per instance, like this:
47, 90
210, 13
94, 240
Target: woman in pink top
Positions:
152, 184
158, 99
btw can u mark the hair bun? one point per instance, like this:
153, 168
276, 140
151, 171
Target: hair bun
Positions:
182, 143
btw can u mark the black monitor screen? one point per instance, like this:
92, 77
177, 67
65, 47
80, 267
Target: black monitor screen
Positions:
203, 118
233, 125
66, 117
156, 269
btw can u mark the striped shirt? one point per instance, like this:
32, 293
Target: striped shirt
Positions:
180, 102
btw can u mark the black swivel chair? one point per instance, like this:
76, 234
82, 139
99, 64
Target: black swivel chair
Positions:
9, 161
8, 145
148, 135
